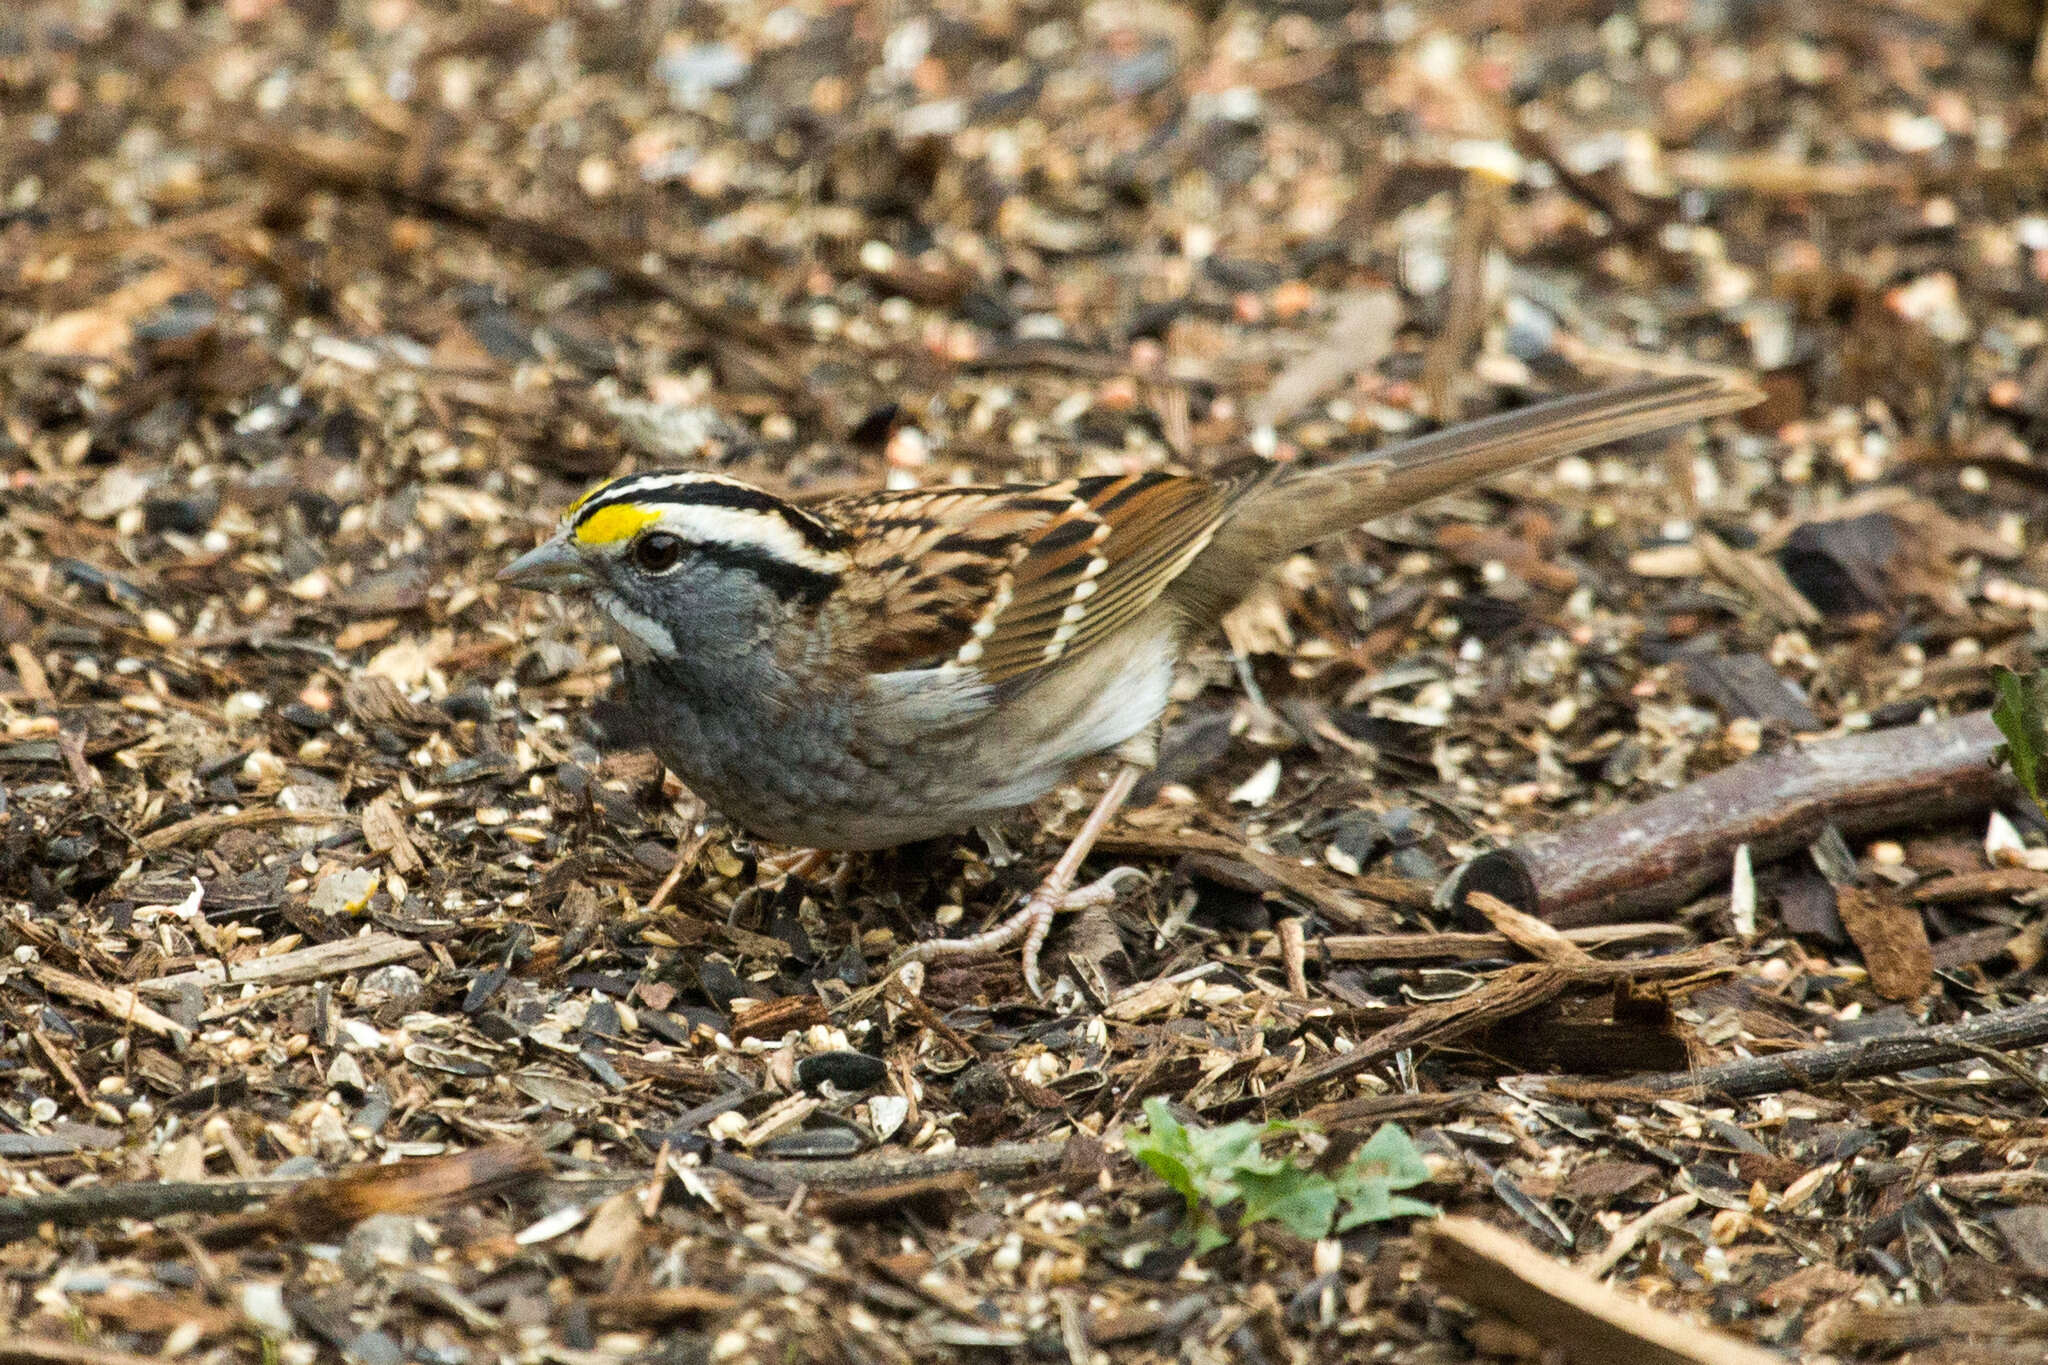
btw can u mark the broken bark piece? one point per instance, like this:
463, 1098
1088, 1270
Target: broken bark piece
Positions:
1665, 852
1806, 905
655, 1307
1545, 1041
384, 832
1567, 1308
1892, 938
1856, 1327
1844, 566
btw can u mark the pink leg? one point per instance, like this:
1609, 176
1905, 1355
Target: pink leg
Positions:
1032, 923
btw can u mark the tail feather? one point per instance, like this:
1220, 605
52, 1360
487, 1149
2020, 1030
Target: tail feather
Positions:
1298, 506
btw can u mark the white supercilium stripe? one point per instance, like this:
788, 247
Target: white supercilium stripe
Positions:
764, 531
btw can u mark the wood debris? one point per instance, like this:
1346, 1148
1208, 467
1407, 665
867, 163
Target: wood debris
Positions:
368, 992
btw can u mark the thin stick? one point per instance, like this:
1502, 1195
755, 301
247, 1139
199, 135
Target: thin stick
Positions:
1884, 1054
206, 826
996, 1162
1455, 947
147, 1200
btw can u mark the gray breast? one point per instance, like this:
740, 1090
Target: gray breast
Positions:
915, 756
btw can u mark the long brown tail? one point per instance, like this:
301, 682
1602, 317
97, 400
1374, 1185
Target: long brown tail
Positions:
1300, 506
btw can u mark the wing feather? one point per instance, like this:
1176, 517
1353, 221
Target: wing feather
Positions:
1009, 581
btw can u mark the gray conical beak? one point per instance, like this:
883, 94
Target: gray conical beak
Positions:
552, 566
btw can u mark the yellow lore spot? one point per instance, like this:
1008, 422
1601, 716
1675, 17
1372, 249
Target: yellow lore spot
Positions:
610, 525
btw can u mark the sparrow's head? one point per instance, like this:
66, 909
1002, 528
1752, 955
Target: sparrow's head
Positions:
674, 558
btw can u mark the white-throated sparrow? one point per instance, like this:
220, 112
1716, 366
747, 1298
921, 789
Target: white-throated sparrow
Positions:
892, 666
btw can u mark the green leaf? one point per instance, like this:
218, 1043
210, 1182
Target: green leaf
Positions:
1163, 1146
1388, 1161
2021, 714
1301, 1201
1390, 1155
1233, 1147
1366, 1202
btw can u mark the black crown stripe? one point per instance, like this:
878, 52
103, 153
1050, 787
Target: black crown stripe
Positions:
819, 535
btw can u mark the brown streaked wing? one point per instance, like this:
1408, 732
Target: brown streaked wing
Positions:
1010, 580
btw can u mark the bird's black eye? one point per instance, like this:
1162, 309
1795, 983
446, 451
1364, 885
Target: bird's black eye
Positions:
657, 553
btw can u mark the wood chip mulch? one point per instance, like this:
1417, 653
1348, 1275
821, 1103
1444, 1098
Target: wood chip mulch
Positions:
335, 1022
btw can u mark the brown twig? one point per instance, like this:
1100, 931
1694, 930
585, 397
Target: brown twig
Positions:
1455, 946
206, 826
1883, 1054
1539, 940
998, 1161
147, 1200
1450, 353
44, 1351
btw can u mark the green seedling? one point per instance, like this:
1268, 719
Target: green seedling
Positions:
1224, 1168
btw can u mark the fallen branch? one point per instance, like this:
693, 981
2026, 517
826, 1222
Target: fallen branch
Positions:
1883, 1054
1665, 852
1565, 1307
